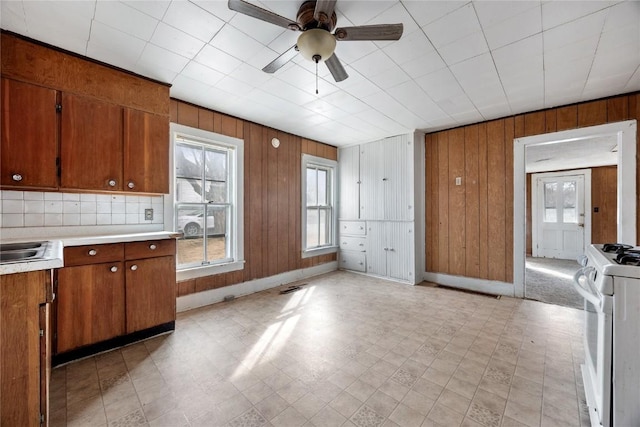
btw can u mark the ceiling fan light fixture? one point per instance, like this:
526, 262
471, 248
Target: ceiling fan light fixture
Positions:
316, 42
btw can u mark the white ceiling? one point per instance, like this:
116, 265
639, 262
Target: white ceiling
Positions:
573, 154
458, 62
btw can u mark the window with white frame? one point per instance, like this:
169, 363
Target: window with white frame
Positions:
318, 205
207, 198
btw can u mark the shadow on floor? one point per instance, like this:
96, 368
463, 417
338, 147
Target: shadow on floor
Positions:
549, 280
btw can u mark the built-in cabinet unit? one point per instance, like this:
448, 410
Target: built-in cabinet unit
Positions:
386, 177
75, 125
112, 290
25, 300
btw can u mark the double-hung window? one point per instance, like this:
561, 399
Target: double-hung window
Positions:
318, 205
207, 198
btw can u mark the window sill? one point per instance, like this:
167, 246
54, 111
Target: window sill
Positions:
208, 270
319, 251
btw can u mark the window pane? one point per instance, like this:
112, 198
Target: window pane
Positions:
569, 213
190, 221
312, 187
188, 190
188, 161
218, 247
216, 192
324, 228
322, 187
550, 196
312, 228
216, 165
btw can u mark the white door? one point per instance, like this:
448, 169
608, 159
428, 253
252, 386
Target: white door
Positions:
559, 215
349, 180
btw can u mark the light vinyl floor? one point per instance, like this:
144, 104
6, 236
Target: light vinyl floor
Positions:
345, 350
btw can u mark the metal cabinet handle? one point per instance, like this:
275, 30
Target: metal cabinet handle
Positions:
131, 184
17, 177
112, 183
391, 250
93, 252
114, 269
134, 267
386, 249
153, 247
384, 179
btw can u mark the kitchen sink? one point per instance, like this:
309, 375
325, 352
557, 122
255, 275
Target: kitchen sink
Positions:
19, 252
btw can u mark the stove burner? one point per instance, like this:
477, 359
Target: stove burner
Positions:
629, 258
616, 247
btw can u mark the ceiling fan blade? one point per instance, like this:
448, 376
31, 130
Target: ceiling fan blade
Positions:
370, 32
254, 11
324, 10
336, 68
277, 63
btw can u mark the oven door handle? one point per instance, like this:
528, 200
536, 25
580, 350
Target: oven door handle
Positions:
589, 294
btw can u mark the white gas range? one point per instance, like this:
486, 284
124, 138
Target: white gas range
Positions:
610, 284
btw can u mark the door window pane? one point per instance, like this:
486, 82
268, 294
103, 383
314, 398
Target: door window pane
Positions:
550, 197
569, 212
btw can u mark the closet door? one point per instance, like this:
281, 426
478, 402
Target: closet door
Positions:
376, 248
400, 258
372, 172
349, 172
398, 178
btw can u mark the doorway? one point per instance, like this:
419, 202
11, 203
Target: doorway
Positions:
561, 214
624, 135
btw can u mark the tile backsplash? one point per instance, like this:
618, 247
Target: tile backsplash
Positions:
19, 209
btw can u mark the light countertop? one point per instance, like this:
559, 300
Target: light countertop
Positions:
53, 257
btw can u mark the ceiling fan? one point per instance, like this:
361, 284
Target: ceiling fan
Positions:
317, 22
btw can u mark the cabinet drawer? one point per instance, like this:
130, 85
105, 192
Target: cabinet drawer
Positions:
149, 249
353, 261
93, 254
351, 243
353, 227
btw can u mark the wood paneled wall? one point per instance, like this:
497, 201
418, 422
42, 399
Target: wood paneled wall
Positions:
604, 196
469, 227
272, 196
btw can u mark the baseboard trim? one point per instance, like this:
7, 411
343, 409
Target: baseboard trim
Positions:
493, 287
201, 299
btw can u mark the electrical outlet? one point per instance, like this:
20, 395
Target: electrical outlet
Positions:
148, 214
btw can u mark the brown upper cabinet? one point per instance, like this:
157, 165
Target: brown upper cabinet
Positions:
146, 152
70, 123
29, 147
91, 144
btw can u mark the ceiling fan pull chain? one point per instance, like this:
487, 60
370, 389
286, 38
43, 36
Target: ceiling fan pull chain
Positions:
316, 76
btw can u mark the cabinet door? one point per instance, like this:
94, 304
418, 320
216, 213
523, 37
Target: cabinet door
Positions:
349, 171
398, 178
146, 152
91, 146
376, 248
151, 292
29, 136
400, 259
372, 181
90, 304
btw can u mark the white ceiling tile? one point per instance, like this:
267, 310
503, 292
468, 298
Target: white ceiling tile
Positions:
492, 12
586, 28
514, 28
262, 31
634, 82
217, 59
454, 26
424, 65
346, 102
235, 86
126, 19
286, 91
193, 20
155, 8
396, 14
44, 22
374, 63
560, 12
182, 87
176, 41
623, 14
410, 47
361, 12
351, 51
156, 55
389, 78
12, 16
465, 48
218, 8
153, 71
440, 84
251, 75
284, 41
236, 43
114, 44
425, 12
202, 73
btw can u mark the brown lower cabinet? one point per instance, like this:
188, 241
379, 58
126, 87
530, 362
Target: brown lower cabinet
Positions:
113, 290
24, 348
